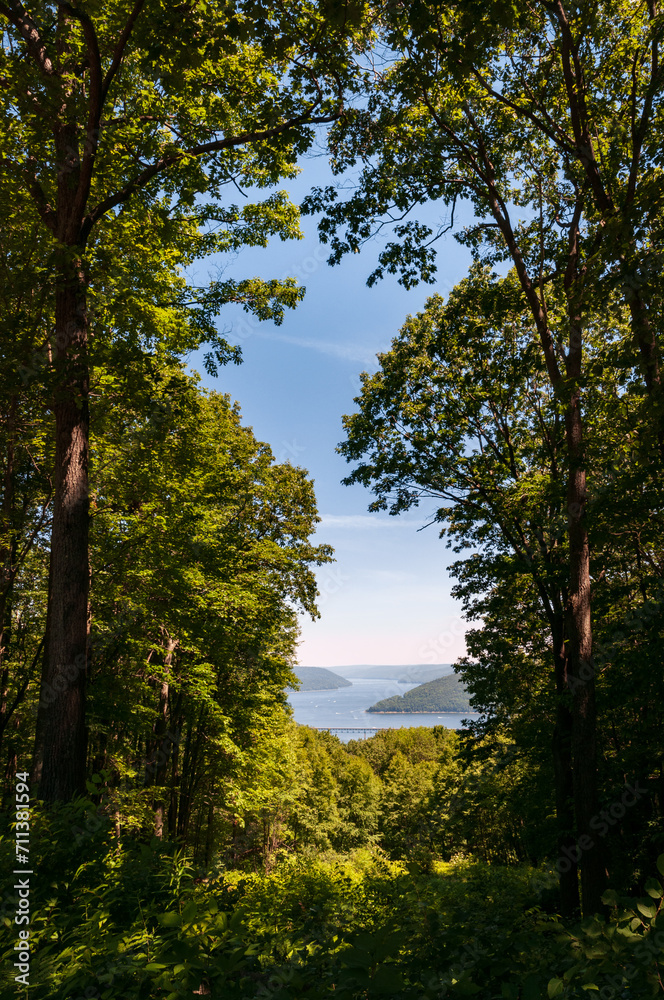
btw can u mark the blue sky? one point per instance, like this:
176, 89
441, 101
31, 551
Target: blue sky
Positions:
386, 599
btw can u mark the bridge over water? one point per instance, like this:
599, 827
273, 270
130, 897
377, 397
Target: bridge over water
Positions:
349, 729
364, 730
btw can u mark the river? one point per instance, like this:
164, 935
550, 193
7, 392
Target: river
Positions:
346, 707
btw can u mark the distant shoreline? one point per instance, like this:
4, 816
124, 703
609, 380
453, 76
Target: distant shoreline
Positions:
438, 711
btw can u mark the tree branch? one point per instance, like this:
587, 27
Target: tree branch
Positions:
17, 15
574, 85
95, 104
155, 169
46, 212
21, 691
120, 48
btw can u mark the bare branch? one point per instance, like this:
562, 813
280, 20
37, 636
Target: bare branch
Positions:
120, 48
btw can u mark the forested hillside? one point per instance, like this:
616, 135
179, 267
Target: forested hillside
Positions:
319, 679
417, 861
168, 830
407, 673
445, 694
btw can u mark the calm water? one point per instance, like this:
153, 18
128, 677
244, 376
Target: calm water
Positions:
347, 707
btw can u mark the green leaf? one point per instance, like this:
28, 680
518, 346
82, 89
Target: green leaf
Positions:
532, 988
555, 988
653, 888
387, 981
466, 988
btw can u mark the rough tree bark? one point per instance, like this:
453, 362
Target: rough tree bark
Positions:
581, 673
7, 560
157, 767
61, 713
564, 785
578, 647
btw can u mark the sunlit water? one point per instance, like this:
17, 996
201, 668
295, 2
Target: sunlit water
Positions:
346, 707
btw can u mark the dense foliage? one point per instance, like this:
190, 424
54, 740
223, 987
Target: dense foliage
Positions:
375, 883
459, 418
187, 836
544, 119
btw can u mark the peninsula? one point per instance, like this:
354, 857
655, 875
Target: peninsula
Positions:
445, 694
320, 679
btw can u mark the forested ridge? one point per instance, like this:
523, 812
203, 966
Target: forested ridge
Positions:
179, 833
319, 679
445, 694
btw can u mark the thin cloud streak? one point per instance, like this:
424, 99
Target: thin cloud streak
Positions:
365, 522
345, 352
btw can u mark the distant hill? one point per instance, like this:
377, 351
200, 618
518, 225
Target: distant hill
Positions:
320, 679
446, 694
412, 673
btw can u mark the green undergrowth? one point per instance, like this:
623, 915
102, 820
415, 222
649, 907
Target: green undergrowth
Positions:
138, 922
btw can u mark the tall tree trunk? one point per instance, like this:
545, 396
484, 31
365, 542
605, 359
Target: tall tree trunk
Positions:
7, 560
580, 666
580, 669
174, 802
61, 713
157, 768
567, 866
209, 832
184, 799
160, 761
190, 773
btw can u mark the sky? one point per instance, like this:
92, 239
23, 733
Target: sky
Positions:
386, 599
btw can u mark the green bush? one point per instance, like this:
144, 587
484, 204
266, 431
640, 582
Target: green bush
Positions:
133, 921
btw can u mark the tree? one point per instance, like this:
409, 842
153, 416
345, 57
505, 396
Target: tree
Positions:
461, 411
114, 118
549, 111
26, 450
201, 559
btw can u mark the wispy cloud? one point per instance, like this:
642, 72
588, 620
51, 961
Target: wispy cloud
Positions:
333, 349
366, 522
